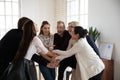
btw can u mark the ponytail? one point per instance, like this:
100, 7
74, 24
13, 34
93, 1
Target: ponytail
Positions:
85, 32
79, 30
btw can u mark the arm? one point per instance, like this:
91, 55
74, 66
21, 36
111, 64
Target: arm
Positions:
39, 59
68, 53
41, 48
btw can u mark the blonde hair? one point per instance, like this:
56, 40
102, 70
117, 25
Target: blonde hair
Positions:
74, 23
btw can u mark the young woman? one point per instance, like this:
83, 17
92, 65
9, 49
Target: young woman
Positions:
90, 66
23, 68
47, 39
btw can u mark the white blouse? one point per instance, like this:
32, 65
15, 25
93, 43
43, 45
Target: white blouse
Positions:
89, 62
36, 46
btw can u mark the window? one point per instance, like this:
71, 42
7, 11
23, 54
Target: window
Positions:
77, 10
9, 14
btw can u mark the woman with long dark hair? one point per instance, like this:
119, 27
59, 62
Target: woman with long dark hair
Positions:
23, 68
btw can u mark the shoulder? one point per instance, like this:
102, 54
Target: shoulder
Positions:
56, 34
14, 31
66, 34
83, 43
36, 39
40, 35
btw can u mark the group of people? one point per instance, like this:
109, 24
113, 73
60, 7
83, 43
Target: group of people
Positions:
73, 47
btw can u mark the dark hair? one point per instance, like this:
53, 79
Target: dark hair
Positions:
28, 34
21, 22
43, 23
60, 22
79, 30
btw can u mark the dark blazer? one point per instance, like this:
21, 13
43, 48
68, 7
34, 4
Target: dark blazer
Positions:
92, 44
8, 47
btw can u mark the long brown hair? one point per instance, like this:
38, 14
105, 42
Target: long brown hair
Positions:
21, 22
28, 35
43, 23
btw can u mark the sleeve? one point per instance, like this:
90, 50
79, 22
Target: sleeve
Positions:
39, 45
93, 45
39, 59
68, 53
55, 41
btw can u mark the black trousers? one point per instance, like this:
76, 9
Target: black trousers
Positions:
97, 77
71, 62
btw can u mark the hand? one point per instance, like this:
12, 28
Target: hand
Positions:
53, 64
51, 54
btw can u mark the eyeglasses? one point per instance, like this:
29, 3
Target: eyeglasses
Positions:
70, 27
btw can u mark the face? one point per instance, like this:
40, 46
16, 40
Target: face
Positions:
60, 29
46, 29
74, 36
71, 28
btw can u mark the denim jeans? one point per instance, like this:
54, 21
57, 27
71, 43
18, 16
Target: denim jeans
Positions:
48, 73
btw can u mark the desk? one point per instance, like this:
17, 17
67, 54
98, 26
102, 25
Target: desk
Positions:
109, 70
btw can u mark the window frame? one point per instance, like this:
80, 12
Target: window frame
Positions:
9, 18
81, 13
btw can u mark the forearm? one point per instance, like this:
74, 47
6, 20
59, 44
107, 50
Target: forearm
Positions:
46, 57
63, 54
39, 60
51, 54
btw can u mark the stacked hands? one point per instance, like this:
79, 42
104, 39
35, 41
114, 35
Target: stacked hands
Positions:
54, 62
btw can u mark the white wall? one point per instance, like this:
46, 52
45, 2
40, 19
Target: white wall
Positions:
39, 10
105, 15
61, 10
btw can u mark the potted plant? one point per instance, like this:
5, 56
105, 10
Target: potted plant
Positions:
93, 33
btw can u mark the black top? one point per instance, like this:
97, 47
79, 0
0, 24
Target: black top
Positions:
61, 42
9, 45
